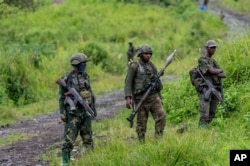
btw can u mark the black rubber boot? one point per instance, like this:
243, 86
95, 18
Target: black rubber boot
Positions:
66, 158
158, 134
141, 137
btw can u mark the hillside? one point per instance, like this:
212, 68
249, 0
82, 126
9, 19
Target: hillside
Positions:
181, 26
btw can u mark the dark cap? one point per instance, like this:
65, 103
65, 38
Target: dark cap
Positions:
211, 43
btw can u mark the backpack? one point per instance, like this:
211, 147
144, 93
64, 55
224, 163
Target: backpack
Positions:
196, 79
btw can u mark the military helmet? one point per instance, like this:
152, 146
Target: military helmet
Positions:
145, 48
78, 58
211, 43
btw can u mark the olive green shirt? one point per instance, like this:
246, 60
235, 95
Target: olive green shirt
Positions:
138, 79
204, 64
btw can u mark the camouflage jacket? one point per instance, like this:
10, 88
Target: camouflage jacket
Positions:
81, 82
139, 76
204, 64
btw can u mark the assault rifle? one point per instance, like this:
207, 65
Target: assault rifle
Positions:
150, 88
77, 98
212, 90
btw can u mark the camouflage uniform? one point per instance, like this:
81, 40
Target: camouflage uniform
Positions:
139, 76
76, 120
208, 108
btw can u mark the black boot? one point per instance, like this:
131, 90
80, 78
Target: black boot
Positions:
158, 134
65, 158
141, 137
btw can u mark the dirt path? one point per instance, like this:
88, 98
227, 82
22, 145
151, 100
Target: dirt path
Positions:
237, 23
47, 130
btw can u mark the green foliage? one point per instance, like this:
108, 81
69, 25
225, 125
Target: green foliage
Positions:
13, 7
95, 53
236, 5
232, 99
236, 62
6, 10
40, 44
117, 144
180, 100
99, 56
15, 76
12, 138
20, 3
35, 51
7, 115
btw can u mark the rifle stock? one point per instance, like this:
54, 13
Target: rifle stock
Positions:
77, 97
151, 87
211, 90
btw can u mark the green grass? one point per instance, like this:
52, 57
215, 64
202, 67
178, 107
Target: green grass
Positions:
117, 144
10, 115
51, 40
12, 138
36, 51
237, 5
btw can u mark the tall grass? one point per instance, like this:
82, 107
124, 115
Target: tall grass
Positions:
236, 5
117, 144
41, 44
74, 25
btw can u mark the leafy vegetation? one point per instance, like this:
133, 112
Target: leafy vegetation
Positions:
35, 51
12, 138
237, 5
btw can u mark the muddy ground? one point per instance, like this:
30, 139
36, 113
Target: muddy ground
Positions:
46, 131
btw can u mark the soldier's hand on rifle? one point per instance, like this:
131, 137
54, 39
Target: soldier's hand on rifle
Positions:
222, 75
128, 102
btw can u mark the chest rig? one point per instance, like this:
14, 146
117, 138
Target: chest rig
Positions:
79, 81
145, 73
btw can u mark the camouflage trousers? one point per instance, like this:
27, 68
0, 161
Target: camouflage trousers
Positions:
77, 124
154, 106
207, 109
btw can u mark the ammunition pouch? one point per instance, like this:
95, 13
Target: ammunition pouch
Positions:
158, 86
87, 96
69, 104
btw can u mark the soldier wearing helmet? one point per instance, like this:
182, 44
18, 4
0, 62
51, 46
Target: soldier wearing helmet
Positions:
145, 48
75, 119
139, 76
213, 73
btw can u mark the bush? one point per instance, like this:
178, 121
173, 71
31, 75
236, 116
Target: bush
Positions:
95, 53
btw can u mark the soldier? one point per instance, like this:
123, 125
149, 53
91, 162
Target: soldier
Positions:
222, 15
131, 52
76, 120
212, 72
139, 76
205, 3
203, 7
